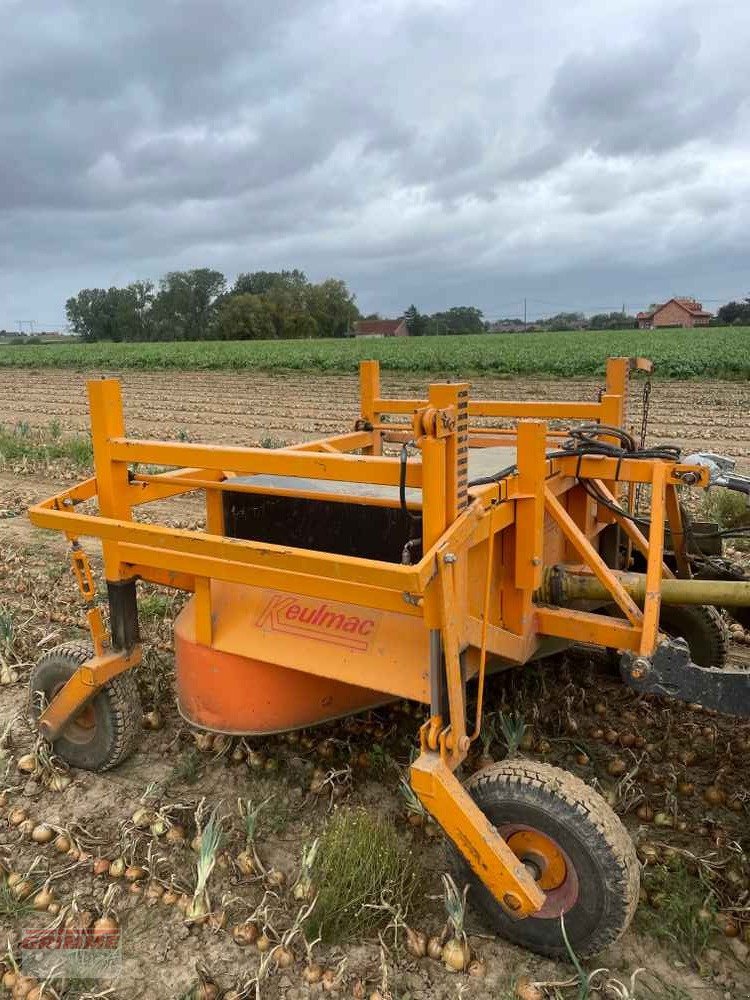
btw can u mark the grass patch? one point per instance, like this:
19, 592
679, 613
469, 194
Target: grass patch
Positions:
155, 606
7, 628
727, 508
362, 862
276, 814
10, 906
683, 914
187, 770
43, 445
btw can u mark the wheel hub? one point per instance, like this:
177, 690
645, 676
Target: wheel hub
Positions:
542, 857
549, 866
82, 726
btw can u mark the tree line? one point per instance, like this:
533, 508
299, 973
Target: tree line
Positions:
198, 305
260, 305
735, 313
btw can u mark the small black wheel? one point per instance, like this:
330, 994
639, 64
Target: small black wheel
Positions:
700, 625
702, 628
106, 729
575, 846
724, 570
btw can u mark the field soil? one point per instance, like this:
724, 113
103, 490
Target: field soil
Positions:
696, 872
250, 408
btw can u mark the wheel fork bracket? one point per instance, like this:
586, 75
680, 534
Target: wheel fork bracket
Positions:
81, 687
670, 672
476, 838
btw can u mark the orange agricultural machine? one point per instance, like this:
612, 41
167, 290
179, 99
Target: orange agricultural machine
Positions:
439, 539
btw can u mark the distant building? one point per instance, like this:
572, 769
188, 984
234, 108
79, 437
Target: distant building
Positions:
381, 328
675, 312
37, 337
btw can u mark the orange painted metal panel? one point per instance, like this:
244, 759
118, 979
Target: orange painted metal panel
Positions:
234, 694
378, 650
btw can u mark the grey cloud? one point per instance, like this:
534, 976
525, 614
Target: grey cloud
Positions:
418, 148
646, 97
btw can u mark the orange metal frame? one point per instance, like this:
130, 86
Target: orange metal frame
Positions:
485, 551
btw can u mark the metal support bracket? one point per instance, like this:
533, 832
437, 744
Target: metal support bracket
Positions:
443, 796
671, 672
82, 571
84, 685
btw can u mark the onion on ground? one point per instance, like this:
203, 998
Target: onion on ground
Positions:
199, 907
456, 953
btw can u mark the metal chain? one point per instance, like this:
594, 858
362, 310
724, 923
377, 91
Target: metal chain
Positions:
644, 430
644, 415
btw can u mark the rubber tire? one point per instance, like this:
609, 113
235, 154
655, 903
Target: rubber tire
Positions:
728, 572
117, 710
560, 805
702, 627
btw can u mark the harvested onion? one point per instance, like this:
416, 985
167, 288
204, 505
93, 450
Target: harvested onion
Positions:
28, 763
456, 955
42, 833
246, 933
435, 948
312, 973
416, 943
714, 795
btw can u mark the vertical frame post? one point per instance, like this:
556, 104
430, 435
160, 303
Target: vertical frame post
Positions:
618, 376
528, 535
107, 422
215, 512
612, 413
442, 396
532, 471
369, 391
434, 506
652, 601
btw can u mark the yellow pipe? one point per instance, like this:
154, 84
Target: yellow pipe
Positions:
561, 587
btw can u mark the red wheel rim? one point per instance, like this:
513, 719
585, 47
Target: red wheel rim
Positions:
550, 865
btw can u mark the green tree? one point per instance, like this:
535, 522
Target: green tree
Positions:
82, 313
735, 313
261, 282
186, 305
564, 321
416, 322
245, 317
100, 313
332, 307
612, 321
458, 319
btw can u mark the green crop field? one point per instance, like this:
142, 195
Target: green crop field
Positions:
713, 352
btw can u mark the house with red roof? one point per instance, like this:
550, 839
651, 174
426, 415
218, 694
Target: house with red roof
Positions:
381, 328
675, 312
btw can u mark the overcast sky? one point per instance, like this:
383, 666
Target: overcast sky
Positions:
581, 154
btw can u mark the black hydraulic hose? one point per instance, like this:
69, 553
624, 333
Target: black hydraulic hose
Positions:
402, 483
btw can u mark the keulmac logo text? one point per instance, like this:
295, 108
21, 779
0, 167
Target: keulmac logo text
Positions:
319, 620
